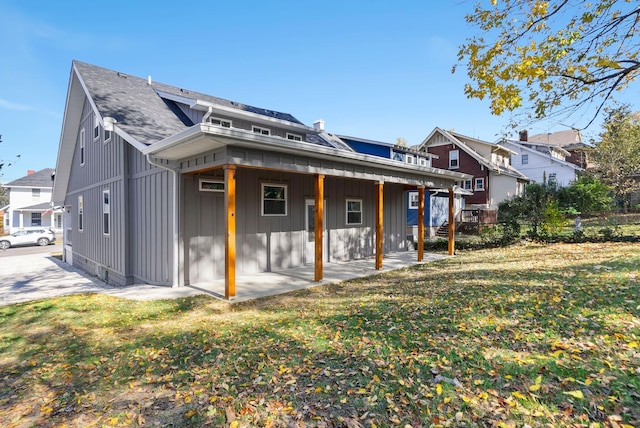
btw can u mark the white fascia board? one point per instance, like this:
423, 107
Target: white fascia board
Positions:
249, 139
128, 138
72, 116
456, 190
254, 117
30, 187
506, 149
179, 139
177, 98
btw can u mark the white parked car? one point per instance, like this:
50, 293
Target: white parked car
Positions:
28, 236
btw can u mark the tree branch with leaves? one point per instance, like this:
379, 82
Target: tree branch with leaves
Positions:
551, 58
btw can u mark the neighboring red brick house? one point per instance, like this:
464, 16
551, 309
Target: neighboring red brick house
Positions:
494, 179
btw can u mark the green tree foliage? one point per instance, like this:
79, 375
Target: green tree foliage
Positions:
617, 154
530, 207
555, 55
586, 194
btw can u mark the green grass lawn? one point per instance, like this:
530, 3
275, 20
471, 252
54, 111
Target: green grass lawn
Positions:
532, 334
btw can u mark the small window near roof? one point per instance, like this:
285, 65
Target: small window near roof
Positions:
107, 136
96, 127
410, 158
294, 137
35, 193
223, 123
525, 159
354, 211
261, 131
274, 199
480, 183
454, 158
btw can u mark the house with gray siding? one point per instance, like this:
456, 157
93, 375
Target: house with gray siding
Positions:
168, 186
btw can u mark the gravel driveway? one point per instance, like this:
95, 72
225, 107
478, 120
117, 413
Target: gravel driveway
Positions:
39, 276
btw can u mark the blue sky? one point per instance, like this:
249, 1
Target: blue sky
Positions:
371, 69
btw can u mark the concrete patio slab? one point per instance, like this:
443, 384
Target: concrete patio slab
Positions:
31, 277
271, 283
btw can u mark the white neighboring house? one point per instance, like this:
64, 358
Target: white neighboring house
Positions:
542, 161
30, 202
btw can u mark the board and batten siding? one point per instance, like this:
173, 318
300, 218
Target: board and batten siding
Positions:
276, 243
103, 169
150, 221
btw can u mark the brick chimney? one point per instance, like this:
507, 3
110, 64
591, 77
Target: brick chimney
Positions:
524, 135
30, 171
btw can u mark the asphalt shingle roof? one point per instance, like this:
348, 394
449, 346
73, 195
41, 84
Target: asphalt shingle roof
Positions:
41, 178
138, 108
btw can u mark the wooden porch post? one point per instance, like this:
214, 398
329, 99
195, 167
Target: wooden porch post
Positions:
230, 228
452, 223
420, 223
318, 226
379, 229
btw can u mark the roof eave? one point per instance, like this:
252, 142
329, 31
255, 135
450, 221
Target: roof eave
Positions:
196, 133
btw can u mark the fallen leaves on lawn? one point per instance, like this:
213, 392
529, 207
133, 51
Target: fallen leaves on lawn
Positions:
528, 335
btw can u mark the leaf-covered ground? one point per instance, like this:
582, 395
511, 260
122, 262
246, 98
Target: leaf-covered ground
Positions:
529, 335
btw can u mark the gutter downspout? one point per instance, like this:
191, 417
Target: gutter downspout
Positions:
207, 114
176, 221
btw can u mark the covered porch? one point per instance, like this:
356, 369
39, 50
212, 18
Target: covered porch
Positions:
265, 284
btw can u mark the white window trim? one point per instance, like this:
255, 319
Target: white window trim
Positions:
203, 188
479, 180
423, 161
106, 210
411, 199
525, 159
294, 137
467, 184
35, 216
346, 209
457, 159
107, 136
82, 147
221, 121
80, 214
286, 202
96, 128
410, 159
260, 130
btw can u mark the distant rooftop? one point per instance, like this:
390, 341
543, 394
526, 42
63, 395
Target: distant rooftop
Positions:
40, 178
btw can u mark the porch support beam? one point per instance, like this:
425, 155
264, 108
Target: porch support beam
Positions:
318, 227
230, 229
379, 220
420, 223
452, 223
